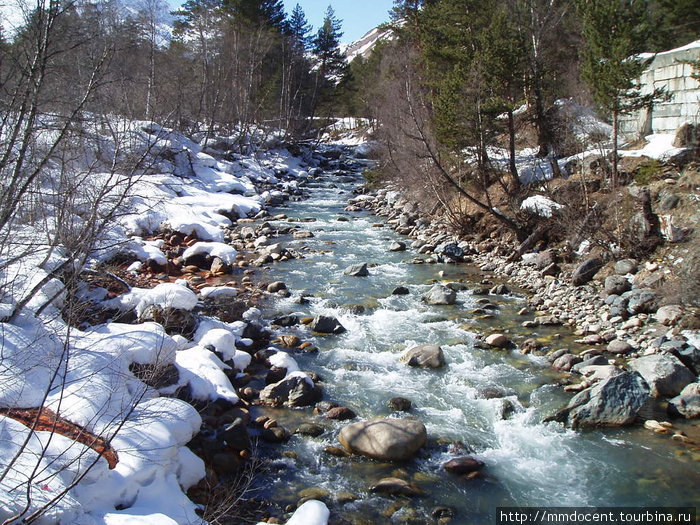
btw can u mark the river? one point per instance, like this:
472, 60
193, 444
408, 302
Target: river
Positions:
528, 463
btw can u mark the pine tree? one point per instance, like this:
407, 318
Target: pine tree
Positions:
326, 46
615, 33
299, 29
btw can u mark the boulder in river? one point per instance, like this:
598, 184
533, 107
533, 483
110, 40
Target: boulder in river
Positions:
384, 439
450, 250
397, 246
399, 404
425, 356
664, 373
497, 341
295, 390
357, 270
687, 403
463, 465
613, 402
324, 324
396, 487
440, 294
400, 290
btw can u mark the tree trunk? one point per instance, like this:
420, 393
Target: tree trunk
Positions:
511, 150
613, 181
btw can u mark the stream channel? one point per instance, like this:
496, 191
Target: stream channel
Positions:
528, 463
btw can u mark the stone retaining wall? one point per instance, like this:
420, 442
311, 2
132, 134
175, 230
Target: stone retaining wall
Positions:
667, 70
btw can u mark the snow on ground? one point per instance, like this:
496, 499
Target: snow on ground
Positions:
540, 205
85, 376
659, 146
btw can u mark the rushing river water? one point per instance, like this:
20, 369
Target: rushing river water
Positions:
528, 463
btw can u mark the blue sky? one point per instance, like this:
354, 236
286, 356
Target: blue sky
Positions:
358, 16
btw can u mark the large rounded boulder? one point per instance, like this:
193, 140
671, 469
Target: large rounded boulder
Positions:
384, 439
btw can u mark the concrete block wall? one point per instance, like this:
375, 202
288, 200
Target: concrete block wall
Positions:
666, 70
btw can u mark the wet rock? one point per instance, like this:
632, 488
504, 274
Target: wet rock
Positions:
613, 402
288, 341
313, 493
340, 414
399, 404
463, 465
497, 341
236, 435
336, 451
397, 246
586, 271
310, 429
225, 463
425, 356
396, 487
324, 324
302, 234
357, 270
274, 375
664, 373
687, 403
275, 435
688, 354
384, 439
400, 290
596, 360
275, 287
500, 289
286, 320
440, 295
626, 266
442, 512
669, 315
616, 285
295, 390
565, 362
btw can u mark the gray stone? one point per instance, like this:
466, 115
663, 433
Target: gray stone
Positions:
425, 356
626, 266
357, 270
669, 202
400, 290
613, 402
310, 429
687, 403
618, 346
440, 294
292, 391
545, 259
450, 250
596, 360
616, 285
664, 373
641, 301
325, 324
384, 439
397, 246
586, 271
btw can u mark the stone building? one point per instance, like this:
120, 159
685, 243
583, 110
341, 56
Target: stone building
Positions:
669, 70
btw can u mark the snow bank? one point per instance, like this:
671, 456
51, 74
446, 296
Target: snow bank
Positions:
218, 292
659, 146
165, 295
204, 373
214, 249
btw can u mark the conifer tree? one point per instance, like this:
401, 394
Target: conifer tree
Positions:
330, 59
616, 32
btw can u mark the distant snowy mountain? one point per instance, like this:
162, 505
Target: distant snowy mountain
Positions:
363, 47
